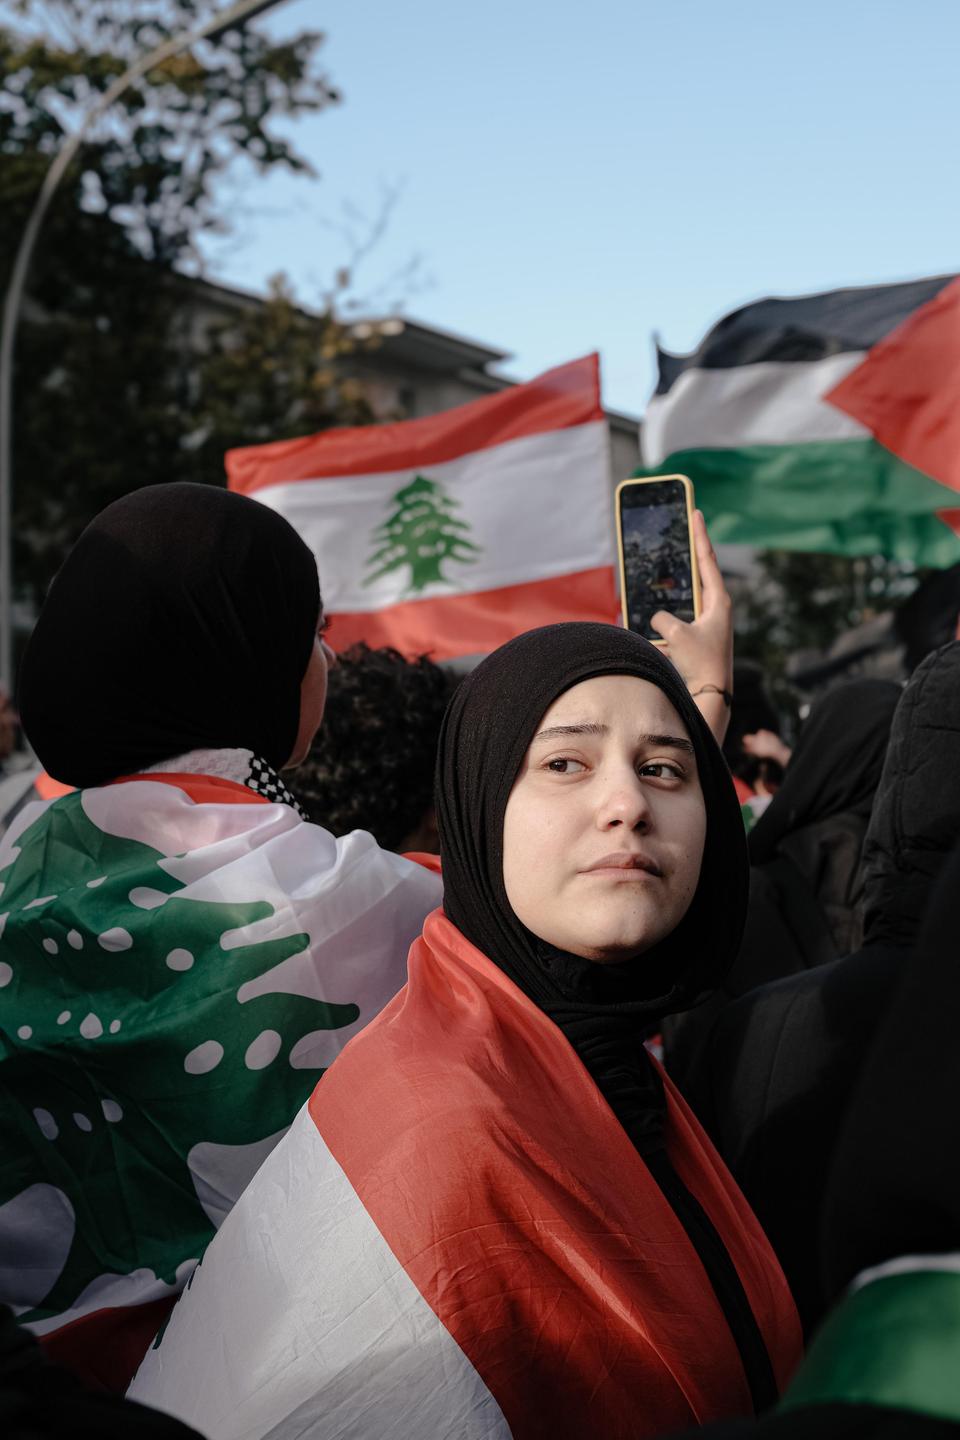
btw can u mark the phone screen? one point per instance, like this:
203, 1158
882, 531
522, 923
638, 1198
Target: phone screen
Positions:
658, 570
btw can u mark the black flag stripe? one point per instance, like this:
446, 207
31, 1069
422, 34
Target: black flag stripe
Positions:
809, 327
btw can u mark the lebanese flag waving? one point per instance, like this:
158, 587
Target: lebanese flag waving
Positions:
457, 531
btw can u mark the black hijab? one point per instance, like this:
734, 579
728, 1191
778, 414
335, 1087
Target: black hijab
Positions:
836, 765
183, 619
604, 1010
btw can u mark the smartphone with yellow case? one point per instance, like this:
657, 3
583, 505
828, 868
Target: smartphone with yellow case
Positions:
658, 560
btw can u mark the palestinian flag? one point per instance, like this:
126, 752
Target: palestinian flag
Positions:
890, 1344
456, 1240
454, 532
829, 422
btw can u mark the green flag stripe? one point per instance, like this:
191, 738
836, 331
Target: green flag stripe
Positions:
895, 1342
840, 497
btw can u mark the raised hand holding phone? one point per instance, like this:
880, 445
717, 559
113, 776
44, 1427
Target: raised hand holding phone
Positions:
702, 649
655, 543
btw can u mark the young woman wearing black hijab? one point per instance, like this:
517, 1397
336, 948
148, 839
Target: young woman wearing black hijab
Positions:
531, 1235
182, 953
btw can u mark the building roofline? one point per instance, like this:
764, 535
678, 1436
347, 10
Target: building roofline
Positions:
465, 355
491, 356
475, 352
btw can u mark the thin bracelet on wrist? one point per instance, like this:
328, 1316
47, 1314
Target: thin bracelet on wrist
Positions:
725, 695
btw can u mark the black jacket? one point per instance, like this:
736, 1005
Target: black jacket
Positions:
893, 1191
778, 1066
805, 890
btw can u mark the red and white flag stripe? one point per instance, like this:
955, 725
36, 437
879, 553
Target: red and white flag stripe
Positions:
386, 1365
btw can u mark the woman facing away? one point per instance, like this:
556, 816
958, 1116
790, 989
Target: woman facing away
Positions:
182, 953
496, 1216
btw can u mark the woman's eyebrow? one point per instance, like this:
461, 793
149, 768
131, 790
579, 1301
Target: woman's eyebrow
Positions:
672, 742
592, 727
585, 727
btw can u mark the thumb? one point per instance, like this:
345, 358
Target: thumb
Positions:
666, 625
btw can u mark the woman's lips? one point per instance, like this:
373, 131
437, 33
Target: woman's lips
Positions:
624, 865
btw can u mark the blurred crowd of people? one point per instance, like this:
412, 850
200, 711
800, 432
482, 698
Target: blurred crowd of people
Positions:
553, 1050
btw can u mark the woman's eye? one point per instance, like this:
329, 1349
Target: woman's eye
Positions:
565, 766
661, 770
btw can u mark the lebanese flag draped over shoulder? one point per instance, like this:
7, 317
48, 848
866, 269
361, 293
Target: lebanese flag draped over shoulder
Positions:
454, 532
456, 1240
825, 422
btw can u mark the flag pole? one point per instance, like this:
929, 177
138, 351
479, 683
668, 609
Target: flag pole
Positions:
226, 19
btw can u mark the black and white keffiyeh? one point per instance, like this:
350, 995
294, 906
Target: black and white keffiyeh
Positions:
241, 766
265, 781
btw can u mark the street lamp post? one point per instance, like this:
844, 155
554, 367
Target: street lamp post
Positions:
227, 19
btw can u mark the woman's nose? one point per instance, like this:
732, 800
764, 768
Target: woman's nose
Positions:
625, 803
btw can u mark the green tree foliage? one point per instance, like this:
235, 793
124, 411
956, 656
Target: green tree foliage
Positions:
115, 388
151, 165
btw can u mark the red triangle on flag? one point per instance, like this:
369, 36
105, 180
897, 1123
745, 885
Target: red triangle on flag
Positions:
907, 390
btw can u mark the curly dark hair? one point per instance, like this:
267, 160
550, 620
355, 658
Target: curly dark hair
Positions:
371, 765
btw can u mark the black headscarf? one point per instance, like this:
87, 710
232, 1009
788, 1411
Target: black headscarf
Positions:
836, 765
604, 1010
183, 619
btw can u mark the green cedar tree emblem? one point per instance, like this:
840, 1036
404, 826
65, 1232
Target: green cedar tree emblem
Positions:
123, 1044
423, 532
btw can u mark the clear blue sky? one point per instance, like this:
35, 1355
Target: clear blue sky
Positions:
577, 176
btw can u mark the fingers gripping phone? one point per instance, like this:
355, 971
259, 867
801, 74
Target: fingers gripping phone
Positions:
658, 563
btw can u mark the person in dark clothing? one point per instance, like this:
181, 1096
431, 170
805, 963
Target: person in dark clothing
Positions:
806, 846
886, 1364
805, 892
779, 1064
